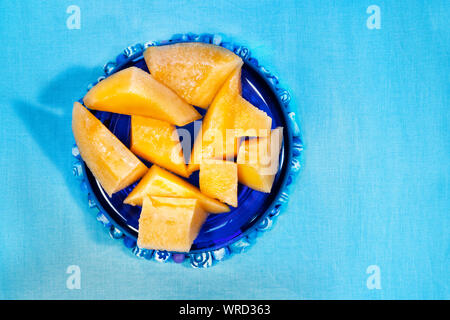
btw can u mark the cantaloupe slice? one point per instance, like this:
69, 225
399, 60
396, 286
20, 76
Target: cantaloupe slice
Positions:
114, 166
250, 121
159, 182
170, 224
229, 118
158, 142
219, 179
195, 71
258, 161
217, 140
247, 119
133, 91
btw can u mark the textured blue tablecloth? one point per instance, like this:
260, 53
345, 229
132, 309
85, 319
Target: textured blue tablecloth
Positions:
373, 105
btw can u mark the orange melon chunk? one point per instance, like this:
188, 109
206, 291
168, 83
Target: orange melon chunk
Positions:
158, 142
250, 121
219, 179
133, 91
212, 142
170, 224
159, 182
195, 71
114, 166
229, 118
258, 161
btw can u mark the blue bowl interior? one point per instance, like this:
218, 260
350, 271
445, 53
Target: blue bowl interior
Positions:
219, 229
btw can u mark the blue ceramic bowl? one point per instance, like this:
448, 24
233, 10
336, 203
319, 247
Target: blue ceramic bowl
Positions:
221, 234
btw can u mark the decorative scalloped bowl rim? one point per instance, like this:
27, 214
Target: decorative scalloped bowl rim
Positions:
265, 222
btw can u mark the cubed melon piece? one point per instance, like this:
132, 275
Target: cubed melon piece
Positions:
160, 182
219, 179
217, 140
109, 160
247, 120
158, 142
229, 118
195, 71
170, 224
258, 161
250, 121
133, 91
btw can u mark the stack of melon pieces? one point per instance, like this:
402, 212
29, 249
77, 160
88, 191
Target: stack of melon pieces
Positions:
235, 142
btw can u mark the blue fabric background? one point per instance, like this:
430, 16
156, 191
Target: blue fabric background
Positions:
374, 110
